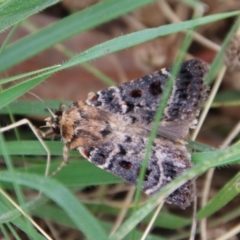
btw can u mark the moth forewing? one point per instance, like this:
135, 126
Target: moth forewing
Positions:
111, 128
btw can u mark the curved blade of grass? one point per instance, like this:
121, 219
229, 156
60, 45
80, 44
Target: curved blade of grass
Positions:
33, 147
128, 41
28, 74
217, 62
20, 223
225, 218
35, 108
200, 147
224, 196
65, 28
226, 99
232, 103
17, 189
9, 37
198, 158
18, 90
84, 221
14, 11
6, 207
135, 38
76, 174
10, 214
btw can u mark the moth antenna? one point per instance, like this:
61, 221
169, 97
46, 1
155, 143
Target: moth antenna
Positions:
50, 111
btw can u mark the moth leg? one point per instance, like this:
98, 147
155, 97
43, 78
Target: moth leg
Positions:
45, 134
64, 162
38, 133
65, 154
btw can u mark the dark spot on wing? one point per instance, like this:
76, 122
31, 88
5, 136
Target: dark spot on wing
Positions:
133, 119
136, 93
128, 139
125, 164
105, 132
130, 106
169, 169
122, 150
102, 155
155, 88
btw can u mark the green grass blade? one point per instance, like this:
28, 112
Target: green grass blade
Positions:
130, 40
14, 11
35, 108
224, 196
16, 187
76, 174
199, 158
20, 223
18, 90
55, 214
216, 64
65, 28
28, 74
135, 38
8, 213
132, 221
64, 198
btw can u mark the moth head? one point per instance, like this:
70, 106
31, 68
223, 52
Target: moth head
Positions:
53, 121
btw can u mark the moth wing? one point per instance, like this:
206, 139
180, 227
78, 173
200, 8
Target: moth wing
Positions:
172, 130
137, 101
123, 157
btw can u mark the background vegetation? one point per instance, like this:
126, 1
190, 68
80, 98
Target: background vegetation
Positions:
82, 201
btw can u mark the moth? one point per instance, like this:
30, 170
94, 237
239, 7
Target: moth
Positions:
111, 128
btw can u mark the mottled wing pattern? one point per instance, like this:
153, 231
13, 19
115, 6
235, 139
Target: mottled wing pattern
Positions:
106, 142
123, 158
111, 128
136, 101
